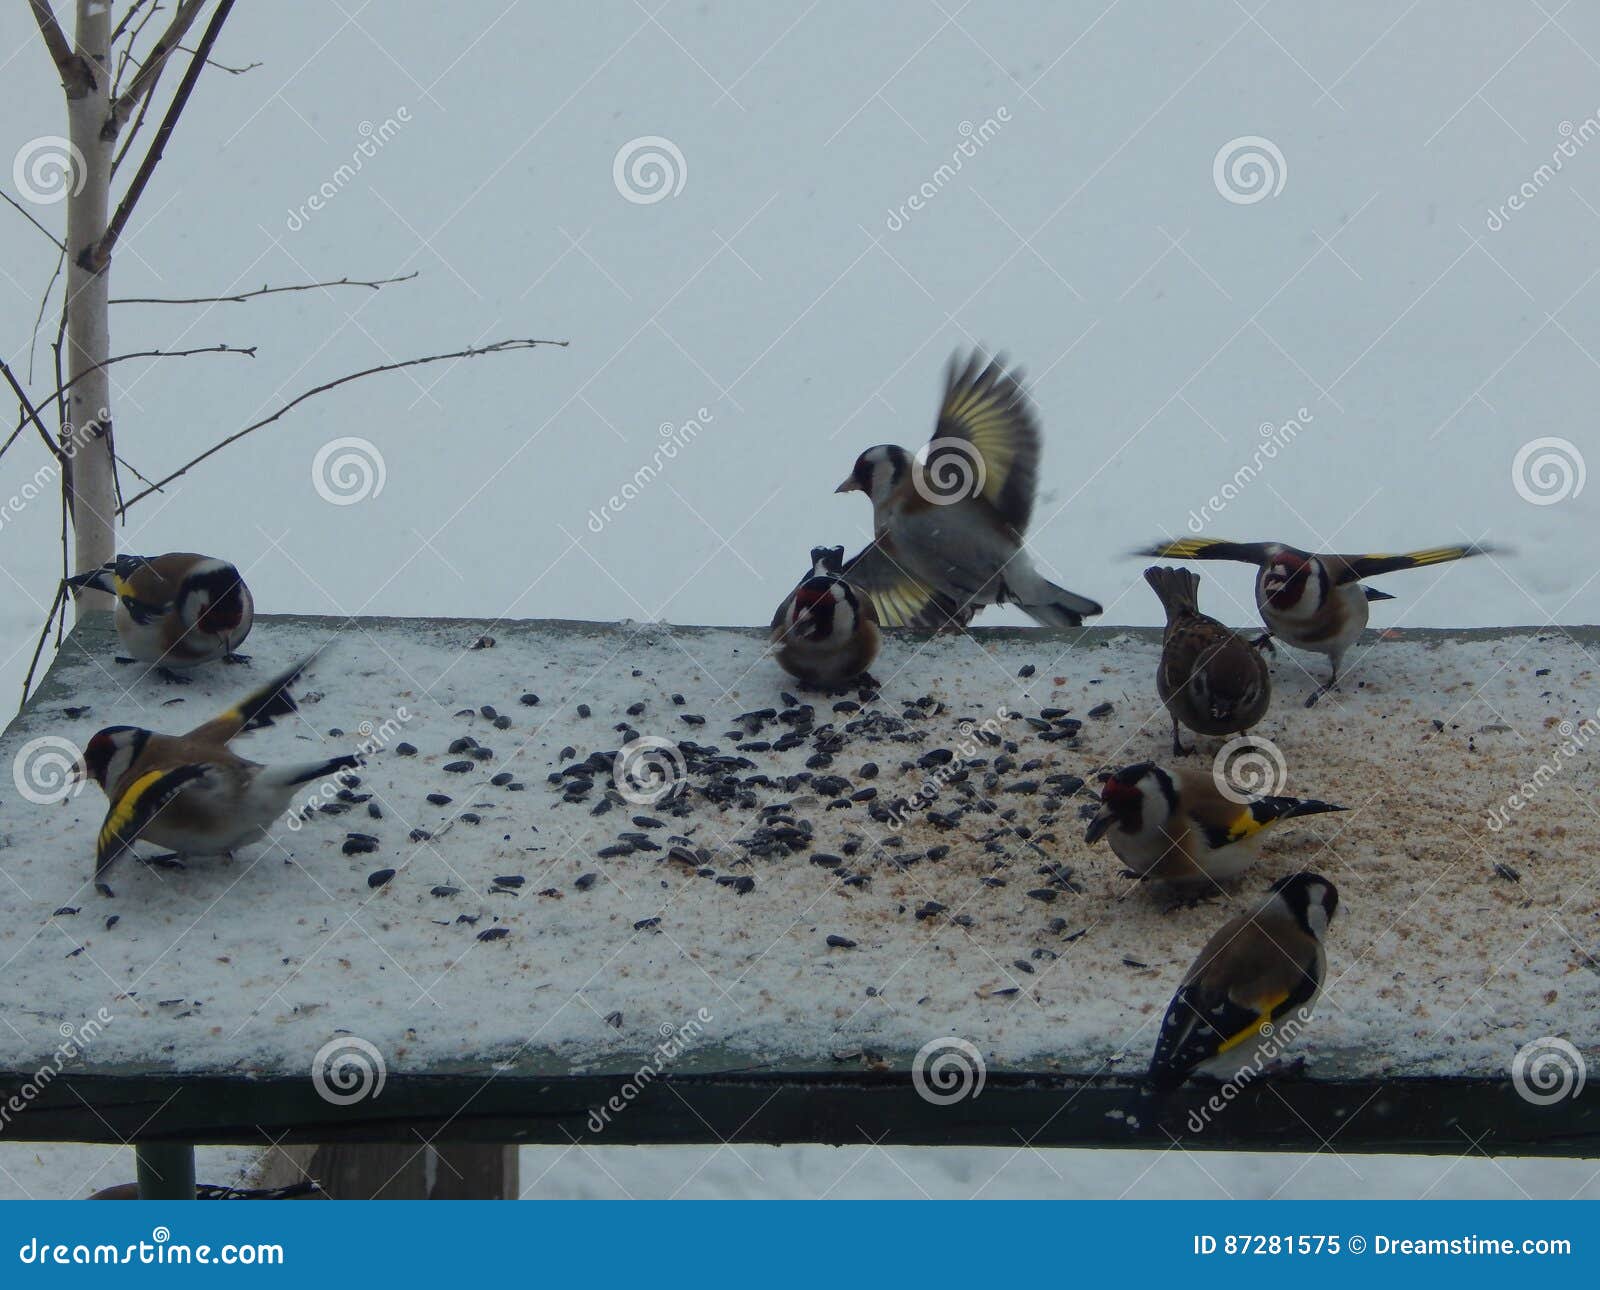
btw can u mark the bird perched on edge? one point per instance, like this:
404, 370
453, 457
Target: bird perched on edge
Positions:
824, 632
1313, 602
953, 522
177, 610
1179, 827
1251, 989
191, 793
1211, 679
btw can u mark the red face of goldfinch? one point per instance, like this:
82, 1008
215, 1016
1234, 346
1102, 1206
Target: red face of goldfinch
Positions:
1283, 582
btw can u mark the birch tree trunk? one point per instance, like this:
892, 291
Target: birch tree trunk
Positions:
92, 492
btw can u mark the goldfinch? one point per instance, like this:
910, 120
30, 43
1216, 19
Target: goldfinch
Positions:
825, 634
955, 519
1251, 989
177, 610
1312, 602
1211, 679
1179, 827
190, 793
899, 597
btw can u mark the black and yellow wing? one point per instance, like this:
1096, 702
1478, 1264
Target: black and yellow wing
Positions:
1248, 819
899, 597
255, 710
1202, 1023
987, 428
1256, 553
136, 806
1352, 568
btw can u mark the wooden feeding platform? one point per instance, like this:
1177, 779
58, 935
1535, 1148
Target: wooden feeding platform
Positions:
491, 934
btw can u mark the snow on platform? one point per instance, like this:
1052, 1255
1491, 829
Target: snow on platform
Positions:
504, 936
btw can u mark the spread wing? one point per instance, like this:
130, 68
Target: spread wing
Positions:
130, 814
900, 599
1352, 568
987, 426
255, 710
1256, 553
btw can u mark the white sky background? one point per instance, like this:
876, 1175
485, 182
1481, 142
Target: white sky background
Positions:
1160, 323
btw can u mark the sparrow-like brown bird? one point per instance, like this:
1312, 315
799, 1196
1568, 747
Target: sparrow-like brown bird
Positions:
1250, 990
1312, 602
191, 793
1210, 678
176, 611
954, 520
1179, 827
824, 633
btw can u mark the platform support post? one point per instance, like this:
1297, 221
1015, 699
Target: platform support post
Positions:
165, 1170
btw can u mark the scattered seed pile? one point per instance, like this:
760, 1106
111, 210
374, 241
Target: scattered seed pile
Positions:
568, 840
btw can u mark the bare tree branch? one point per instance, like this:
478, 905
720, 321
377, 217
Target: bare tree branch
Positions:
223, 67
25, 215
27, 681
31, 414
246, 351
44, 303
69, 65
126, 55
127, 18
472, 351
98, 256
155, 62
375, 284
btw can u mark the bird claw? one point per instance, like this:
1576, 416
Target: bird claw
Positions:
166, 860
237, 659
1264, 642
171, 677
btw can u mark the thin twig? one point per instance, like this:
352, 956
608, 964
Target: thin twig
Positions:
145, 78
126, 56
96, 258
247, 351
223, 67
44, 302
25, 215
375, 284
32, 414
44, 634
133, 12
499, 347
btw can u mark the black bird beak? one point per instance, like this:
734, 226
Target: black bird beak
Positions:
849, 486
1099, 826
